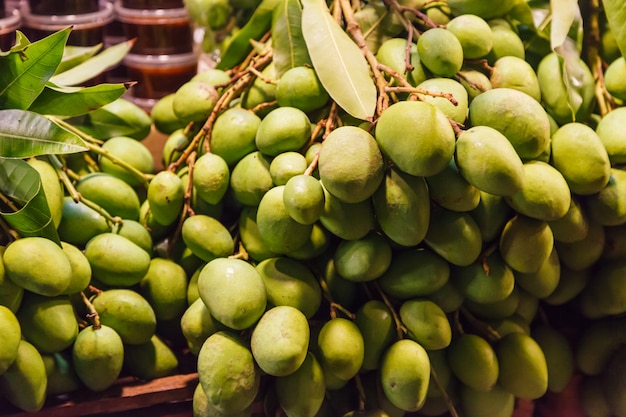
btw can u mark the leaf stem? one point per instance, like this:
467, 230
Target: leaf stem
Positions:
401, 329
144, 178
92, 315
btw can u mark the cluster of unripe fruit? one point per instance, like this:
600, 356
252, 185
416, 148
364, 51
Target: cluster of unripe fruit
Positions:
368, 269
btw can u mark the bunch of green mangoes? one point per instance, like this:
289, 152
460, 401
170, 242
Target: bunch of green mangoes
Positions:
462, 250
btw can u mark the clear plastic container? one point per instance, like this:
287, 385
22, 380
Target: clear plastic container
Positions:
153, 4
8, 25
158, 75
158, 31
63, 7
88, 28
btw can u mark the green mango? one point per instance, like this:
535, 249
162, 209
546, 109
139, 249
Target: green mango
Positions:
514, 72
289, 282
151, 360
605, 294
341, 348
392, 52
211, 177
261, 91
610, 129
194, 100
11, 335
486, 280
451, 191
473, 361
484, 9
526, 243
448, 297
405, 374
544, 281
79, 223
608, 207
38, 265
98, 357
250, 178
319, 241
249, 235
163, 117
302, 392
52, 187
523, 367
501, 309
11, 294
454, 236
426, 323
62, 378
571, 283
128, 313
280, 340
233, 291
376, 325
415, 273
364, 259
120, 117
613, 382
347, 221
584, 253
136, 233
506, 42
114, 195
227, 372
457, 110
498, 402
491, 215
197, 325
81, 269
283, 129
440, 51
24, 383
48, 323
203, 408
207, 238
131, 151
559, 356
164, 286
233, 135
304, 198
350, 164
116, 261
572, 227
165, 197
598, 341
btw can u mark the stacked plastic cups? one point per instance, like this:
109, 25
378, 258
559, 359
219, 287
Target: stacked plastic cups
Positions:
10, 21
163, 56
88, 19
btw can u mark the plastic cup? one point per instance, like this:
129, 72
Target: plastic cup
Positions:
153, 4
63, 7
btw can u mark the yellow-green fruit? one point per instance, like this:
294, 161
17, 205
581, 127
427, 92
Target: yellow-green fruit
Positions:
454, 236
486, 280
415, 273
514, 72
350, 164
416, 136
11, 294
487, 160
197, 325
261, 91
194, 100
473, 361
315, 246
578, 154
207, 237
516, 115
402, 207
456, 110
213, 14
605, 294
608, 207
491, 215
597, 343
474, 82
130, 151
427, 323
545, 194
287, 165
80, 223
572, 227
363, 259
303, 198
405, 374
203, 408
119, 117
340, 348
250, 179
497, 402
111, 193
299, 87
584, 253
571, 283
448, 297
559, 356
610, 129
136, 233
613, 382
289, 282
347, 220
506, 42
375, 323
301, 394
51, 186
484, 9
211, 177
554, 92
165, 196
526, 243
283, 129
233, 292
451, 191
227, 372
116, 261
154, 359
280, 340
48, 323
523, 368
392, 52
440, 51
128, 313
11, 335
501, 309
249, 234
278, 230
24, 383
38, 265
474, 33
233, 134
81, 270
163, 116
165, 288
98, 357
62, 378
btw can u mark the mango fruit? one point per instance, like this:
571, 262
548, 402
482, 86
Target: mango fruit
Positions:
98, 357
24, 382
12, 334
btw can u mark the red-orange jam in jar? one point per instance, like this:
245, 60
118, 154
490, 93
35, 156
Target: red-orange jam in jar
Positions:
63, 7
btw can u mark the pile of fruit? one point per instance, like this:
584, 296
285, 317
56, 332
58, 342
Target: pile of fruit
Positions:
374, 210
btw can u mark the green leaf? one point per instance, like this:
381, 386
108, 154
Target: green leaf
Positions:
259, 23
288, 43
370, 20
24, 73
119, 118
22, 184
95, 65
74, 101
564, 14
615, 11
338, 61
74, 55
24, 134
